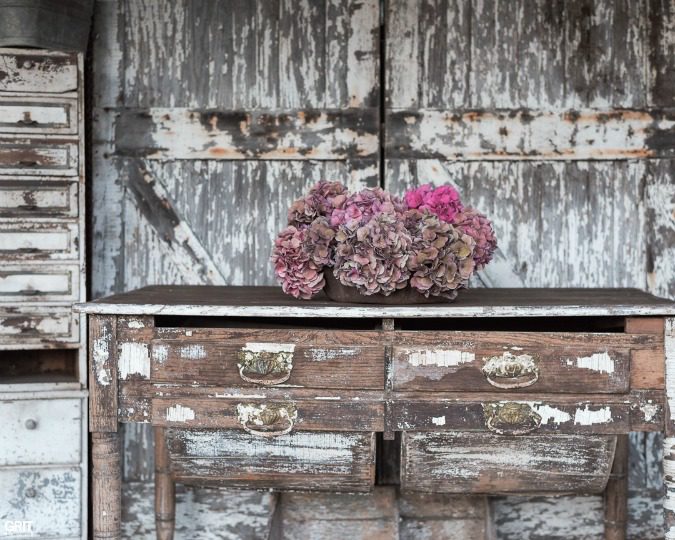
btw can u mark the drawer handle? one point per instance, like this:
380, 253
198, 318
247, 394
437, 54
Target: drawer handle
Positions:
267, 420
31, 493
28, 163
31, 424
511, 371
511, 418
27, 122
266, 367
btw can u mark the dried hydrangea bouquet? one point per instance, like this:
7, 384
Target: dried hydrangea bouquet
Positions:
372, 247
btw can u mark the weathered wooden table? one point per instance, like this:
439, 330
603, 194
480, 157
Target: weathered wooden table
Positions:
502, 391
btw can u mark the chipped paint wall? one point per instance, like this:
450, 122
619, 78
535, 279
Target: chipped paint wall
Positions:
210, 117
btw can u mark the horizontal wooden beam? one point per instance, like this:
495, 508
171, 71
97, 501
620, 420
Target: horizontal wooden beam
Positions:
178, 133
529, 134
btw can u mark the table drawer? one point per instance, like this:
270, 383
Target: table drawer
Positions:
44, 431
39, 241
49, 499
38, 156
526, 362
34, 198
48, 283
38, 115
269, 413
269, 358
34, 72
464, 462
513, 415
342, 462
36, 325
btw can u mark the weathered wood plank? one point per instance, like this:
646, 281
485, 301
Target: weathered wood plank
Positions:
165, 496
56, 157
168, 134
36, 198
661, 33
530, 134
314, 461
43, 326
106, 493
616, 493
31, 240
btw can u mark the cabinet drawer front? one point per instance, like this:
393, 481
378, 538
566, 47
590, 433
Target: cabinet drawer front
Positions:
48, 499
247, 412
45, 431
48, 283
270, 358
53, 157
39, 241
304, 460
515, 416
536, 362
38, 199
464, 462
44, 115
36, 325
33, 72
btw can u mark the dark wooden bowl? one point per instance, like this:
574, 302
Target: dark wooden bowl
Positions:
338, 292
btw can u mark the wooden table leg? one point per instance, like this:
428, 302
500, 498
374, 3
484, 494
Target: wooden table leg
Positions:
669, 436
616, 493
165, 492
106, 488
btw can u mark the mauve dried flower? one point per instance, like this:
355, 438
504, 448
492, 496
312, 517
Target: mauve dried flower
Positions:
318, 237
359, 208
321, 200
440, 256
373, 257
479, 227
297, 272
443, 201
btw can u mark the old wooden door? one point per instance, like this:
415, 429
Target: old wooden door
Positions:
553, 117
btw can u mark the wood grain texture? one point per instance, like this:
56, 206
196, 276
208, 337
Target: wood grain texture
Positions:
316, 359
106, 485
165, 496
102, 374
462, 462
616, 493
41, 72
342, 462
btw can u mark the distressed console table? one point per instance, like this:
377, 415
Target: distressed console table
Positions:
503, 391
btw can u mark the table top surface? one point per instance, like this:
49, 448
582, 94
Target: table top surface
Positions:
219, 301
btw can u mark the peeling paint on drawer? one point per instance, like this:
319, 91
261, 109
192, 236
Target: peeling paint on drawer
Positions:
600, 362
588, 417
178, 413
160, 353
100, 354
134, 359
438, 420
134, 323
269, 347
440, 357
192, 352
550, 414
322, 355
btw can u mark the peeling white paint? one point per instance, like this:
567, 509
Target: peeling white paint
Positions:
178, 413
438, 420
269, 347
192, 352
550, 414
100, 354
134, 359
600, 362
649, 410
322, 355
439, 357
134, 323
328, 398
588, 417
160, 353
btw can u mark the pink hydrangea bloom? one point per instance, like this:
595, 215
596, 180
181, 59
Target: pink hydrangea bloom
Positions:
321, 200
294, 268
359, 208
443, 201
476, 225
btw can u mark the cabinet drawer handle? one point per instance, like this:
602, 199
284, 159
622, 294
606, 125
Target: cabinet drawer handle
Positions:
31, 424
267, 420
267, 367
27, 122
511, 418
31, 493
511, 371
28, 163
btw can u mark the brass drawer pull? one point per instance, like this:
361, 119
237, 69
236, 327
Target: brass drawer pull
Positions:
267, 420
511, 371
266, 363
511, 418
